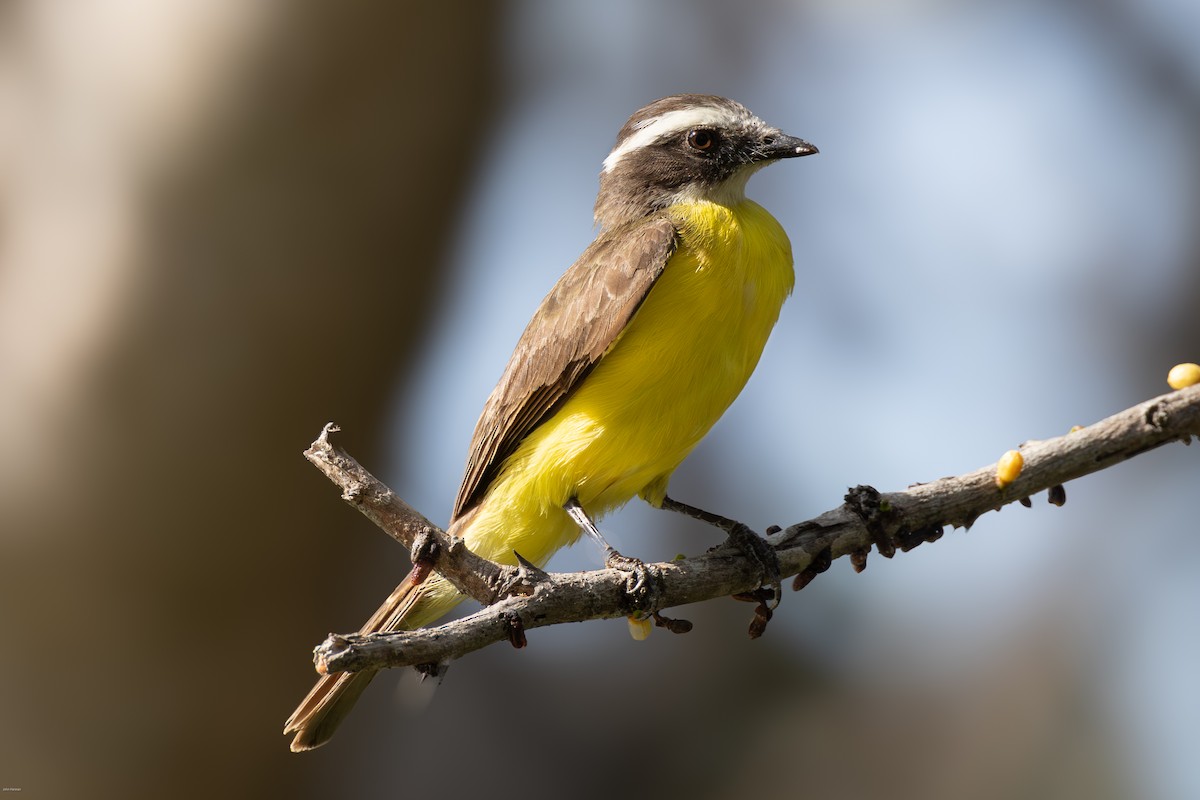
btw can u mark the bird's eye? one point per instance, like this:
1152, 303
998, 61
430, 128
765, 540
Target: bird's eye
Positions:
701, 139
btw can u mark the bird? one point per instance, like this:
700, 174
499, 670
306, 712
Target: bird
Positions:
631, 358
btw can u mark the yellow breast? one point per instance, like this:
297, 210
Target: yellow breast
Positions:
661, 386
676, 367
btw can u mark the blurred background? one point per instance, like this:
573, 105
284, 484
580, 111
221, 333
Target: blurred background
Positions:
223, 224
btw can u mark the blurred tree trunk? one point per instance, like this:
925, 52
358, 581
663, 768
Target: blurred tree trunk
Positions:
297, 221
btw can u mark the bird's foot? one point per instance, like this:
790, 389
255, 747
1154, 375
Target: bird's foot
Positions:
638, 573
759, 552
755, 548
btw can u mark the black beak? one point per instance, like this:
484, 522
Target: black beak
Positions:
776, 144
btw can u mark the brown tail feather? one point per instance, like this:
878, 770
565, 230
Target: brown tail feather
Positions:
319, 714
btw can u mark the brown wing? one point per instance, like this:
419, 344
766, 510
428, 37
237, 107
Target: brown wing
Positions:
581, 316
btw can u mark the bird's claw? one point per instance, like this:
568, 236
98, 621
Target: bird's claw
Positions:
639, 574
759, 552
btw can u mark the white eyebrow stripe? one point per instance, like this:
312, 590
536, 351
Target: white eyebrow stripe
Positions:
671, 122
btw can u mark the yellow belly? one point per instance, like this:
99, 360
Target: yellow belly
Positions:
661, 386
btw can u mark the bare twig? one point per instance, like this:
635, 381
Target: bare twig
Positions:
475, 577
524, 599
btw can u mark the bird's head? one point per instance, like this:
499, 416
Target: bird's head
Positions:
683, 148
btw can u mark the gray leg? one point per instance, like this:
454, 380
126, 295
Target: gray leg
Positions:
612, 559
753, 547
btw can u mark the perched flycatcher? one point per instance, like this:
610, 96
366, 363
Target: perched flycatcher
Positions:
635, 353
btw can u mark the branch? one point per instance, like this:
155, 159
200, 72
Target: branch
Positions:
428, 545
518, 599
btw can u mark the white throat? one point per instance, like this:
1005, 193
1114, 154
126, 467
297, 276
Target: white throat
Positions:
728, 192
